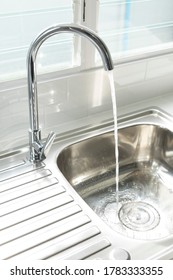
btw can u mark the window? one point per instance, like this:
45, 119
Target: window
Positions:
20, 23
128, 27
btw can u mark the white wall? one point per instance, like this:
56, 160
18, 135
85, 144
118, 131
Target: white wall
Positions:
82, 99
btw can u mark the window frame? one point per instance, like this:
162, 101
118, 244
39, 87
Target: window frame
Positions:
88, 53
86, 13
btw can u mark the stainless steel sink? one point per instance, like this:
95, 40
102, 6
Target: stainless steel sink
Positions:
144, 207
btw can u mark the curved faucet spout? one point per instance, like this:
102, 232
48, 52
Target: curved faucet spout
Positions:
37, 152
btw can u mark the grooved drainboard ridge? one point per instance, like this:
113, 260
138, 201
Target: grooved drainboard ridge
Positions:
23, 179
59, 223
34, 210
88, 244
78, 243
30, 199
18, 170
45, 235
25, 190
10, 165
38, 222
36, 213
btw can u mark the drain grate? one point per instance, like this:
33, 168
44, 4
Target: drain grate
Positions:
139, 216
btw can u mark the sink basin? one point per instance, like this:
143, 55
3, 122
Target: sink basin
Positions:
143, 206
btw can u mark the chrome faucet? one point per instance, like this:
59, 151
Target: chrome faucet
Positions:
39, 148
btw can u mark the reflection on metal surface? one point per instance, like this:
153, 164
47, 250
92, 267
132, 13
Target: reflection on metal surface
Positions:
145, 182
43, 217
40, 220
139, 216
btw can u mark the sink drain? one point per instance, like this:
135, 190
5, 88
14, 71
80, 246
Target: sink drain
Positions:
139, 216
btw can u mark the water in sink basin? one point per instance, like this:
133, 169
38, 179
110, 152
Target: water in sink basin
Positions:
145, 209
141, 214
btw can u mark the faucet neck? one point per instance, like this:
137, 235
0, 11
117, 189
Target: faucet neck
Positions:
35, 137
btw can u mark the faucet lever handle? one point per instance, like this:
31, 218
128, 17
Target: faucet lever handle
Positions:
48, 143
42, 148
